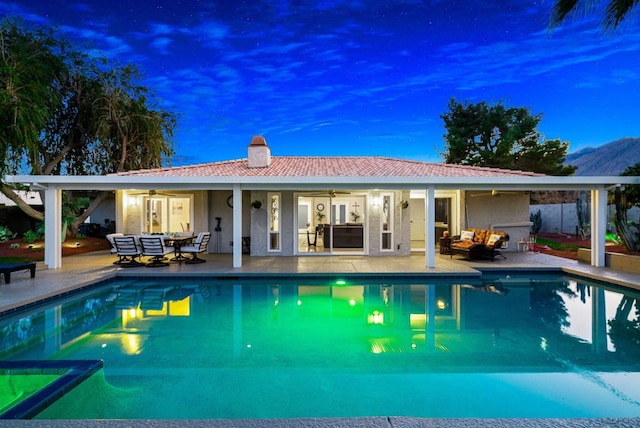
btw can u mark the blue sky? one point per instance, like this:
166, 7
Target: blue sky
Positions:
362, 77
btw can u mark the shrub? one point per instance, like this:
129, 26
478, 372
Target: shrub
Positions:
40, 229
536, 219
30, 237
6, 234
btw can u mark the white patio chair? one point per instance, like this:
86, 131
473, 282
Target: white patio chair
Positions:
127, 250
199, 246
114, 250
154, 247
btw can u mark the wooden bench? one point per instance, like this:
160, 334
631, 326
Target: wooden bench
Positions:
7, 268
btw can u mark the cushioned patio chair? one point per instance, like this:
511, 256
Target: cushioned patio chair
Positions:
153, 246
114, 250
199, 246
128, 251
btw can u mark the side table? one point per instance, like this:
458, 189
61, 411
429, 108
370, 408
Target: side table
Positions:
445, 246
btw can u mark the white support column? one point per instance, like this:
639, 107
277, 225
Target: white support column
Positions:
53, 227
598, 225
237, 226
430, 227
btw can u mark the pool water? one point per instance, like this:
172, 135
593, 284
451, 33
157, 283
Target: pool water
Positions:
16, 388
506, 346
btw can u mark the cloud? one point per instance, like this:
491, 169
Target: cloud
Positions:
160, 44
10, 9
158, 29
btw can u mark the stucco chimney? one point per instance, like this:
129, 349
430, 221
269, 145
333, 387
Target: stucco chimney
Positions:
259, 153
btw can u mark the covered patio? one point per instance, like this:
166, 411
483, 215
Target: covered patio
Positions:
295, 189
52, 187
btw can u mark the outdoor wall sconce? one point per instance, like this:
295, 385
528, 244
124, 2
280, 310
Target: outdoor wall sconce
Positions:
404, 204
376, 201
256, 204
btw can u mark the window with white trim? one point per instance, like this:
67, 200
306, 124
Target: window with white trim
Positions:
386, 222
274, 239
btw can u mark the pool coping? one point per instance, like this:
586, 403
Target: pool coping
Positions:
357, 422
73, 373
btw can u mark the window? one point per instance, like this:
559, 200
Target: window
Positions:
386, 222
338, 212
274, 221
164, 214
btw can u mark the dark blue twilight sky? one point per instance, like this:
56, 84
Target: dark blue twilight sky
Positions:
368, 77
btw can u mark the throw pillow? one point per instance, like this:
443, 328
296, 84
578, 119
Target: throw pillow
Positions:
493, 239
466, 234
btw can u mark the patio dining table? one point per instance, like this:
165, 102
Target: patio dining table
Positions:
177, 242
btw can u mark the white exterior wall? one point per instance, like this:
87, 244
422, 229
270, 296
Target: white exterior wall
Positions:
216, 203
506, 212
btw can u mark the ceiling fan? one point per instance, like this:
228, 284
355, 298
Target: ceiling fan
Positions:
495, 193
331, 193
152, 193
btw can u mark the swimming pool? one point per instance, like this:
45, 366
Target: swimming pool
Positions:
506, 346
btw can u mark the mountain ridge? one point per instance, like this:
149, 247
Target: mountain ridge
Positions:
609, 159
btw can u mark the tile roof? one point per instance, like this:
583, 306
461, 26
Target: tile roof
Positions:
329, 166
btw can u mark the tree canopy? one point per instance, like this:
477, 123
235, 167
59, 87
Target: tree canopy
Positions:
64, 112
500, 137
614, 11
632, 192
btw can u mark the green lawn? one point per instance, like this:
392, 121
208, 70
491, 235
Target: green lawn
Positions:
557, 245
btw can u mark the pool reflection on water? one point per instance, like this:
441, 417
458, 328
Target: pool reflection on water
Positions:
506, 346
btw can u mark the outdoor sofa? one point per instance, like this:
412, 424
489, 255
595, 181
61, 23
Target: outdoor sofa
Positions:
479, 243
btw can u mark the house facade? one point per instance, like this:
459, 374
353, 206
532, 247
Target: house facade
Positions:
362, 218
268, 205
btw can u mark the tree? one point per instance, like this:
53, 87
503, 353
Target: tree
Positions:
624, 199
68, 113
500, 137
615, 11
29, 71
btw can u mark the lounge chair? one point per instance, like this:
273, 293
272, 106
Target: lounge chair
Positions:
199, 246
7, 268
154, 247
